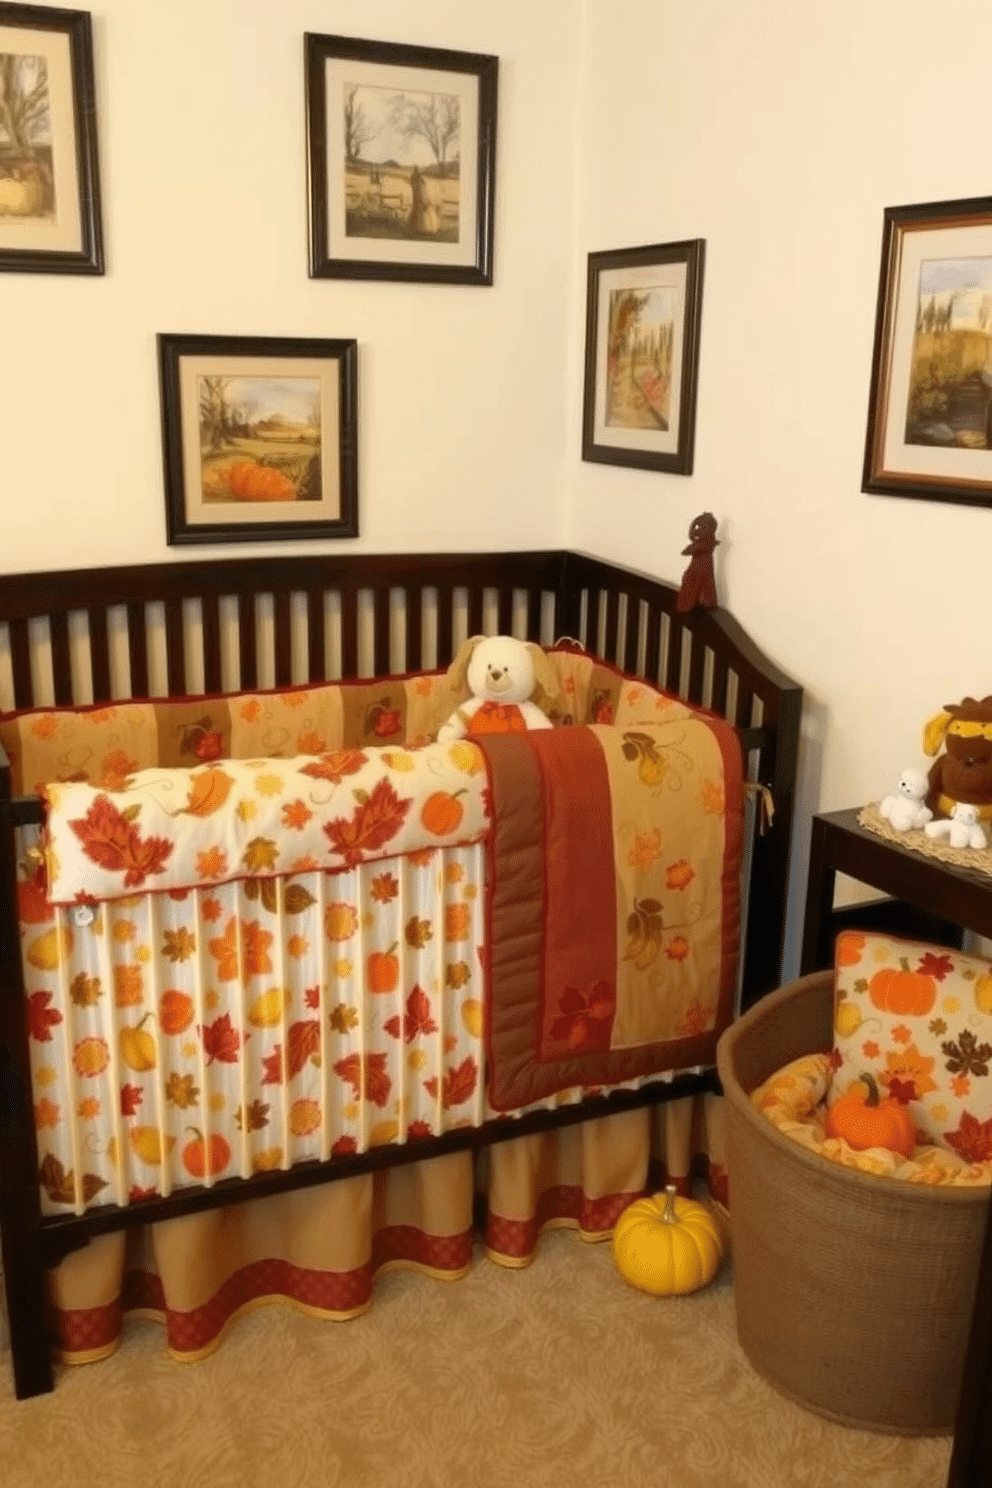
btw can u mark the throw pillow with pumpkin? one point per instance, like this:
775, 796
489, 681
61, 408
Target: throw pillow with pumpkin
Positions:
912, 1030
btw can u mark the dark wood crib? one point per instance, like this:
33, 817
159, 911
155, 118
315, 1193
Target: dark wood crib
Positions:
185, 629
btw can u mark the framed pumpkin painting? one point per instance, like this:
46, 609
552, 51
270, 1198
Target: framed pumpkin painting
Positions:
49, 180
930, 405
259, 438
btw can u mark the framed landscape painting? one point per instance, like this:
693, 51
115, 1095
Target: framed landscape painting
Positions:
49, 181
930, 405
259, 438
401, 157
643, 314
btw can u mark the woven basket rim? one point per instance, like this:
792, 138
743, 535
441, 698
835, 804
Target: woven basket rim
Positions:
923, 1194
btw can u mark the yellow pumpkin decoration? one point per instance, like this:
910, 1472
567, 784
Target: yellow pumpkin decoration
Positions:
666, 1245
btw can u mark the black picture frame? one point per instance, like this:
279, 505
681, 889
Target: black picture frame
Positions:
929, 433
259, 438
643, 320
409, 211
50, 218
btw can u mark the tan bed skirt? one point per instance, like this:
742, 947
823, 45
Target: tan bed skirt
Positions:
320, 1249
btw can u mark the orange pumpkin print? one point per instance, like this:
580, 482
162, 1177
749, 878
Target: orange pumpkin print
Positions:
176, 1011
383, 971
442, 812
456, 921
896, 989
204, 1157
850, 944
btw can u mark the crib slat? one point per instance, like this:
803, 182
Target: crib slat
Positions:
210, 612
20, 662
612, 626
99, 655
137, 649
316, 663
283, 638
381, 661
697, 666
632, 637
592, 623
533, 614
744, 706
349, 632
58, 637
673, 668
652, 644
444, 628
504, 611
175, 650
414, 628
247, 648
718, 688
475, 597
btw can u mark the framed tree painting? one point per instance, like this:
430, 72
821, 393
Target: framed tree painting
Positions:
259, 437
643, 314
930, 406
49, 181
401, 157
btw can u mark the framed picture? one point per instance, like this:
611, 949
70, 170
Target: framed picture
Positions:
259, 438
49, 181
643, 313
930, 405
401, 157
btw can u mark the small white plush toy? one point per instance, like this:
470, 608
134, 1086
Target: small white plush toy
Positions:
961, 829
501, 673
905, 810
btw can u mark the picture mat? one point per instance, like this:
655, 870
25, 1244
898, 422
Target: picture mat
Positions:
64, 233
669, 277
938, 462
341, 73
326, 371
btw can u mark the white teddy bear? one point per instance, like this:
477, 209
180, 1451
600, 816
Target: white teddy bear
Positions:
905, 810
961, 829
501, 673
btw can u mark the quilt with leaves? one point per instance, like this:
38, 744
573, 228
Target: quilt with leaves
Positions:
254, 963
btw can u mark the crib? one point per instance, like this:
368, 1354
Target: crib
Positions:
267, 629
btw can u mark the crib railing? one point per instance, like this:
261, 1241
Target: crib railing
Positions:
178, 629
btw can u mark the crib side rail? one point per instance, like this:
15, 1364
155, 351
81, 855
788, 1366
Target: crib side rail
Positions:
179, 629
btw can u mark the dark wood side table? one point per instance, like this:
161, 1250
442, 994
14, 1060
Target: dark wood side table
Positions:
840, 845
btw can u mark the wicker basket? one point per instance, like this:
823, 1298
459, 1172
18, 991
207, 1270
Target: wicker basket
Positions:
853, 1293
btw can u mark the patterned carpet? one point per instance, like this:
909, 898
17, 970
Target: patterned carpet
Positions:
556, 1375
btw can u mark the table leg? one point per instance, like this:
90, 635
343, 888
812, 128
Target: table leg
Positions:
817, 951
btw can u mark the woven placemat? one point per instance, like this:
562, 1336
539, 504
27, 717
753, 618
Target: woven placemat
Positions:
978, 860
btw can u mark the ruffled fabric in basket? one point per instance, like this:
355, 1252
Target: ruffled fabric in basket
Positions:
794, 1100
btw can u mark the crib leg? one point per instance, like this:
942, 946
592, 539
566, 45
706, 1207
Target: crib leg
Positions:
24, 1282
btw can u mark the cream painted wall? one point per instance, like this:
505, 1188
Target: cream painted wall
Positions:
776, 132
779, 133
462, 402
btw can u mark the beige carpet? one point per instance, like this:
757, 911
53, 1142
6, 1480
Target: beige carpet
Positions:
557, 1375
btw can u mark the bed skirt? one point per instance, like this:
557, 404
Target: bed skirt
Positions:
320, 1249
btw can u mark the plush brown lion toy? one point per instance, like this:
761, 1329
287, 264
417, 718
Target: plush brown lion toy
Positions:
964, 771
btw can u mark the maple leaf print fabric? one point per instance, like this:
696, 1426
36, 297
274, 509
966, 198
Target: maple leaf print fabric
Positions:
178, 829
240, 1027
917, 1018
